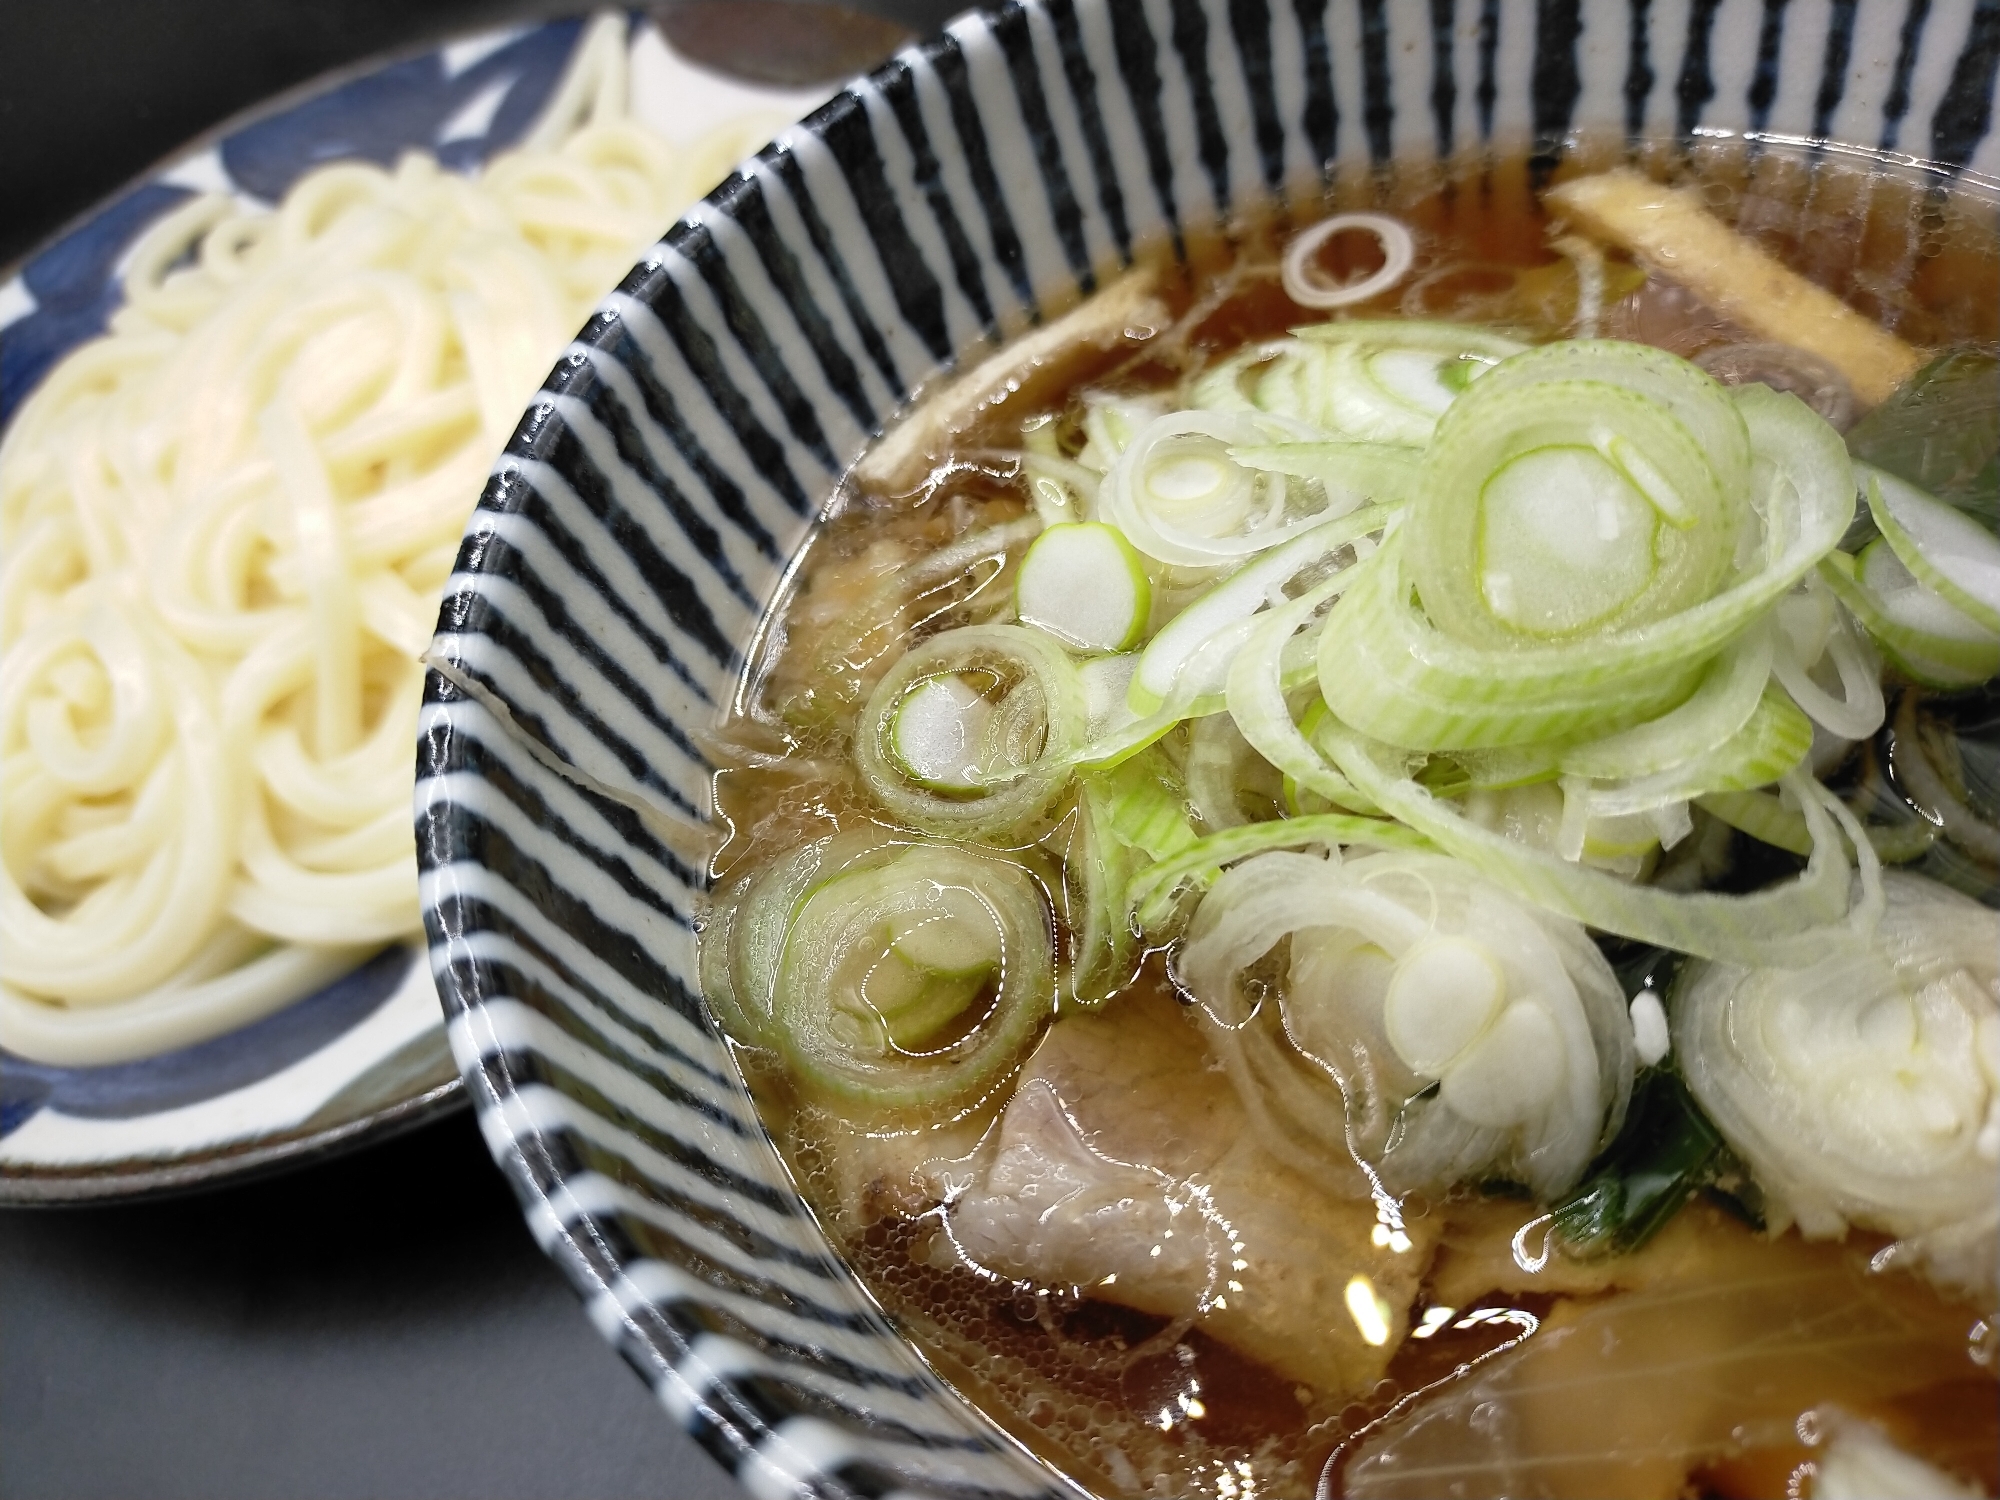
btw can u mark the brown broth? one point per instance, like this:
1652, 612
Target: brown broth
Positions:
1125, 1401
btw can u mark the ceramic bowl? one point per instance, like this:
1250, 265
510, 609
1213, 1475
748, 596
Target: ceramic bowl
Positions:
655, 492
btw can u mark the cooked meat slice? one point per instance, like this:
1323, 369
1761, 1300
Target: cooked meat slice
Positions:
1126, 1167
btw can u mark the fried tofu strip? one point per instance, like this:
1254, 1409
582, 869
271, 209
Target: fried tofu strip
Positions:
1126, 311
1671, 231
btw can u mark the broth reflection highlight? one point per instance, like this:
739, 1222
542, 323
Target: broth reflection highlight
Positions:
1367, 865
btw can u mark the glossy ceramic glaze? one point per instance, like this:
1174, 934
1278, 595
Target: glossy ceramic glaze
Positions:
654, 493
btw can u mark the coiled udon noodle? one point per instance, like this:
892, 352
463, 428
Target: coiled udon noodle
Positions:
226, 525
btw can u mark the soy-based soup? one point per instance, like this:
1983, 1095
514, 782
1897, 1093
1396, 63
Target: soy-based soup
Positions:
1367, 865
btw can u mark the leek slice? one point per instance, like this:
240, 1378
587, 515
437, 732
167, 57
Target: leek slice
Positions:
1352, 474
1791, 923
1187, 663
1728, 695
1372, 380
1256, 699
1944, 549
1109, 425
938, 733
743, 939
1180, 497
1925, 635
1406, 969
1687, 392
1127, 819
1585, 485
1222, 771
1774, 741
1107, 688
1084, 585
1860, 709
1864, 1088
1029, 721
1156, 893
857, 1013
1388, 672
1303, 285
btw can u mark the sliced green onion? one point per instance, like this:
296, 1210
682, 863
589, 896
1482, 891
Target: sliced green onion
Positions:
1257, 702
1382, 668
1377, 381
1406, 970
1860, 709
1773, 742
1083, 584
1787, 923
1102, 946
908, 741
1581, 486
1928, 639
938, 733
1221, 771
1764, 817
1386, 671
1304, 286
1853, 1087
1692, 396
1186, 665
1722, 705
1178, 495
1127, 819
1352, 474
1107, 688
1109, 425
743, 939
1156, 893
1944, 549
857, 1011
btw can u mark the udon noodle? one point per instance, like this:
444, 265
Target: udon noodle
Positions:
226, 525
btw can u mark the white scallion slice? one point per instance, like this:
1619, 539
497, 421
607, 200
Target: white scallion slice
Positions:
1304, 285
955, 934
1557, 506
1774, 741
1186, 665
1923, 633
1721, 706
1859, 1087
856, 1017
1372, 380
936, 762
1785, 923
1107, 683
938, 734
1388, 671
1084, 584
1943, 548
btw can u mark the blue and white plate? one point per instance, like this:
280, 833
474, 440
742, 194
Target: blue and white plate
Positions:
366, 1055
606, 589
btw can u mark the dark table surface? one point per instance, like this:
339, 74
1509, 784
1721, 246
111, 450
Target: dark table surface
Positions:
381, 1325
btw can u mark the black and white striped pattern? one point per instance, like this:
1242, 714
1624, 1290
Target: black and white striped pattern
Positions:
653, 495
